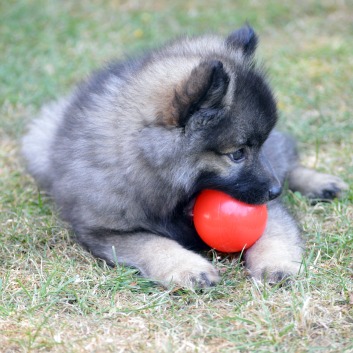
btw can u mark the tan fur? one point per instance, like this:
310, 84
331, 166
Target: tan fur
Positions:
278, 253
163, 260
177, 265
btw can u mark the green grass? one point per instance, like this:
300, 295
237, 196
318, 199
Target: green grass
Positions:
55, 297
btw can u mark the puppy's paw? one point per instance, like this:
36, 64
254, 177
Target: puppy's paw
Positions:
327, 187
273, 273
191, 272
167, 262
315, 185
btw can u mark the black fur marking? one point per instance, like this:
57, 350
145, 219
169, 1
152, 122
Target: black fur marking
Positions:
247, 188
179, 227
244, 38
254, 102
330, 194
250, 185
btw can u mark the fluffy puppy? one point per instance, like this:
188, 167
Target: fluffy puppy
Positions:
126, 153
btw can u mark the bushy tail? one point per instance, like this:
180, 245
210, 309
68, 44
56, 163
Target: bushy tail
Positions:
37, 143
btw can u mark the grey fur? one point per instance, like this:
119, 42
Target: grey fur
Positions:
125, 154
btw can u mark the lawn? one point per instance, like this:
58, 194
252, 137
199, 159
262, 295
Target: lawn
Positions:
55, 297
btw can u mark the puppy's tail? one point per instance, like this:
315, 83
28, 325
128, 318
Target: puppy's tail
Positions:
37, 143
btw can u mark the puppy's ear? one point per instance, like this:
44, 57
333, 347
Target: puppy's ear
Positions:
244, 39
205, 88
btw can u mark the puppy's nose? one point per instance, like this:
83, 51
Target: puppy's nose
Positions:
274, 192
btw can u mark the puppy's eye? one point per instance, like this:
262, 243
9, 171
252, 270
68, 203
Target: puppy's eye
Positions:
237, 156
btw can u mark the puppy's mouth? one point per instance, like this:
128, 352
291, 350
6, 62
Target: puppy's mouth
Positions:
189, 208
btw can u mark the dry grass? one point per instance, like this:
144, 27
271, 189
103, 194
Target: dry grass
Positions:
55, 297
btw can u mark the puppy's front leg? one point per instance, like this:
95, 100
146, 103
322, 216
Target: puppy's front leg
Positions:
278, 253
315, 185
158, 258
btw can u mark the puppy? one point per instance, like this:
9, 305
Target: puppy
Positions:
126, 153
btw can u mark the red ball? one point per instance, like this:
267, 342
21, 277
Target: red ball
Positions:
226, 224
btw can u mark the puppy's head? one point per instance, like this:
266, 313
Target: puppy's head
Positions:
216, 123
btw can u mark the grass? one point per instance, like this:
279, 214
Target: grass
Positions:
55, 297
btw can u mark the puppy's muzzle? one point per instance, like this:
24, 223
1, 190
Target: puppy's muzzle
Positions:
275, 188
